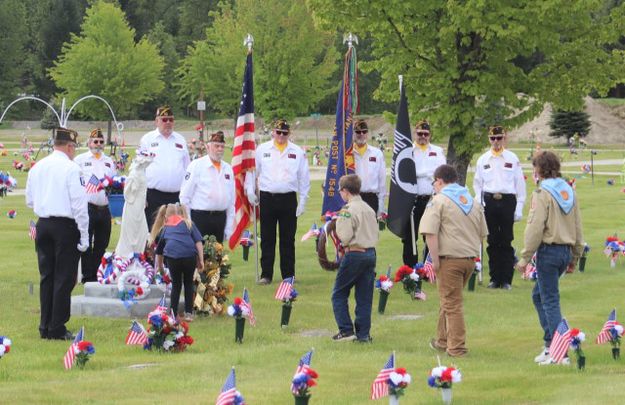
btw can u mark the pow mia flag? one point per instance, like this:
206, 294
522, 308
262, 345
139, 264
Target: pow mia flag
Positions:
403, 174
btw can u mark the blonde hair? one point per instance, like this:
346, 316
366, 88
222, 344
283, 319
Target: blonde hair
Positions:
164, 212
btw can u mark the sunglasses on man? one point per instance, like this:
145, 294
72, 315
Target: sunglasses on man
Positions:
496, 138
282, 133
167, 119
360, 132
98, 141
423, 134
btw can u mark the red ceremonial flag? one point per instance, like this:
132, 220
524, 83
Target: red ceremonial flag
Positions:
604, 335
70, 355
560, 342
379, 388
136, 335
243, 154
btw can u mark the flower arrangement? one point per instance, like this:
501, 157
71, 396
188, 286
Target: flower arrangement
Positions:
613, 246
113, 185
582, 259
239, 310
475, 274
382, 221
444, 377
398, 380
577, 337
5, 345
246, 242
411, 278
83, 350
616, 333
165, 334
303, 381
384, 284
211, 288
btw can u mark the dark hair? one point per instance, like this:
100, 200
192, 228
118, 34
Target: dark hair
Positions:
351, 183
548, 165
63, 142
446, 173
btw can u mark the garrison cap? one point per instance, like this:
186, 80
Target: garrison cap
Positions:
65, 134
164, 111
282, 125
496, 130
217, 137
96, 133
423, 126
360, 125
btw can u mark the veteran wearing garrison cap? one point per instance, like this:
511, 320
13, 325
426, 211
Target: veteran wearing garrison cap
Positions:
208, 191
283, 181
427, 157
168, 169
96, 163
56, 193
370, 167
499, 185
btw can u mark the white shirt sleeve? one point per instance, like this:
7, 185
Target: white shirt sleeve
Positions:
519, 185
187, 188
381, 184
78, 200
303, 175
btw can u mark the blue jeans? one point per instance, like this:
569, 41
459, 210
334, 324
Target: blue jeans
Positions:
357, 269
551, 262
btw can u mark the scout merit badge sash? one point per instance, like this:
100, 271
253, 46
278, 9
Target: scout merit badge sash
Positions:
460, 196
561, 192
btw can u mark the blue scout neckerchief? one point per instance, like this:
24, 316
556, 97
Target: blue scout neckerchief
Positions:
459, 195
561, 192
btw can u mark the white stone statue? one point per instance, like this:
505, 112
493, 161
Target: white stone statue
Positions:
134, 232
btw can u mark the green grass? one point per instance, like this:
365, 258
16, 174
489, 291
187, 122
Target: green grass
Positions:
612, 102
503, 334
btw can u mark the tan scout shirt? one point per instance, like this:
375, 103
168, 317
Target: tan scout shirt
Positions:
357, 225
459, 235
547, 223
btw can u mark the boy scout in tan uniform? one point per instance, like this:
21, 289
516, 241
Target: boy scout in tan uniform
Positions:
357, 228
454, 226
554, 233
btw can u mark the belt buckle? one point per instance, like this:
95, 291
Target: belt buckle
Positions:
497, 196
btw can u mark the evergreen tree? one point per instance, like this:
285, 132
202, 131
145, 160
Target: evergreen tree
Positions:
569, 123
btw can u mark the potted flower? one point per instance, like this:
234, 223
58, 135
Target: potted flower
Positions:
476, 272
287, 294
443, 377
5, 345
246, 242
301, 384
577, 337
83, 350
616, 332
382, 221
398, 380
239, 312
582, 259
384, 284
165, 334
411, 280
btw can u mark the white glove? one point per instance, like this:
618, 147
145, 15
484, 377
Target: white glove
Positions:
253, 200
83, 245
518, 214
300, 209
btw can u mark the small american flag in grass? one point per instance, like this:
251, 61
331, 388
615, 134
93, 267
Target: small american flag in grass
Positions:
228, 391
379, 388
70, 355
560, 341
604, 335
284, 289
304, 364
248, 305
136, 335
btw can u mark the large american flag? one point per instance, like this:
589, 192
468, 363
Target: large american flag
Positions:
70, 355
243, 154
284, 289
304, 364
32, 230
560, 341
248, 305
379, 388
428, 268
604, 336
228, 391
93, 185
136, 335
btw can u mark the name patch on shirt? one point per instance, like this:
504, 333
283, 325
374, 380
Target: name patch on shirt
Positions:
486, 167
372, 159
266, 155
227, 176
508, 165
87, 164
154, 144
186, 177
179, 145
292, 156
107, 164
432, 154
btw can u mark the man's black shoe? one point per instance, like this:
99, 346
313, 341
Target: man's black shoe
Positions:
67, 336
493, 284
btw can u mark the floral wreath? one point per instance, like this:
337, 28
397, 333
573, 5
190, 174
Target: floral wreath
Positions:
140, 282
112, 267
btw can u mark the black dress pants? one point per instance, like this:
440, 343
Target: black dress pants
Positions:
57, 255
99, 237
499, 213
210, 223
418, 208
154, 200
277, 211
372, 200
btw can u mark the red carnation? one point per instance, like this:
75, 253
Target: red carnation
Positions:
84, 345
312, 373
446, 375
400, 370
238, 301
311, 382
103, 262
383, 278
574, 332
139, 291
401, 272
7, 349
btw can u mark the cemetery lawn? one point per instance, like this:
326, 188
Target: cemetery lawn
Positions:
503, 334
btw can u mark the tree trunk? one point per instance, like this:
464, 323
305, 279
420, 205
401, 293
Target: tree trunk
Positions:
459, 161
109, 132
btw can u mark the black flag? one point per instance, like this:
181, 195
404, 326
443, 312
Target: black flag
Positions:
403, 174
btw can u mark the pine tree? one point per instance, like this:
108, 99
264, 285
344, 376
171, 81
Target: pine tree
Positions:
569, 123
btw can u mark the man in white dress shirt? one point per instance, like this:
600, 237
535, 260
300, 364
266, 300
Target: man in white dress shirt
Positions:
282, 173
208, 191
370, 167
96, 163
499, 185
54, 190
427, 158
169, 167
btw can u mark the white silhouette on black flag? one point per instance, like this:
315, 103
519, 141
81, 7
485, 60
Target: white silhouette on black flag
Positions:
403, 176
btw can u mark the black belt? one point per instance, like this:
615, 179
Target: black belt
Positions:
209, 212
423, 197
98, 207
371, 193
290, 193
169, 193
498, 196
64, 219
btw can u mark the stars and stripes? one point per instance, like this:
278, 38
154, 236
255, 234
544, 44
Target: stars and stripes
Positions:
304, 364
284, 289
70, 355
228, 391
137, 334
243, 154
32, 230
162, 304
93, 185
313, 231
560, 341
379, 388
428, 268
605, 336
247, 304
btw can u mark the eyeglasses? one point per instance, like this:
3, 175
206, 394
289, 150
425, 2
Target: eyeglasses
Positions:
496, 138
167, 119
282, 133
433, 182
423, 134
361, 132
98, 141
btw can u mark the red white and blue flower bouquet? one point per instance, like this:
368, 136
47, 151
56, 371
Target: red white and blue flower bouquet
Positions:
165, 334
411, 280
398, 381
384, 284
246, 242
83, 350
5, 345
287, 294
443, 377
239, 311
577, 337
613, 249
616, 333
301, 384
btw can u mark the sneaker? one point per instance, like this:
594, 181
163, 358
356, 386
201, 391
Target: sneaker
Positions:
263, 281
435, 346
543, 356
367, 339
188, 317
343, 336
493, 284
564, 362
506, 286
